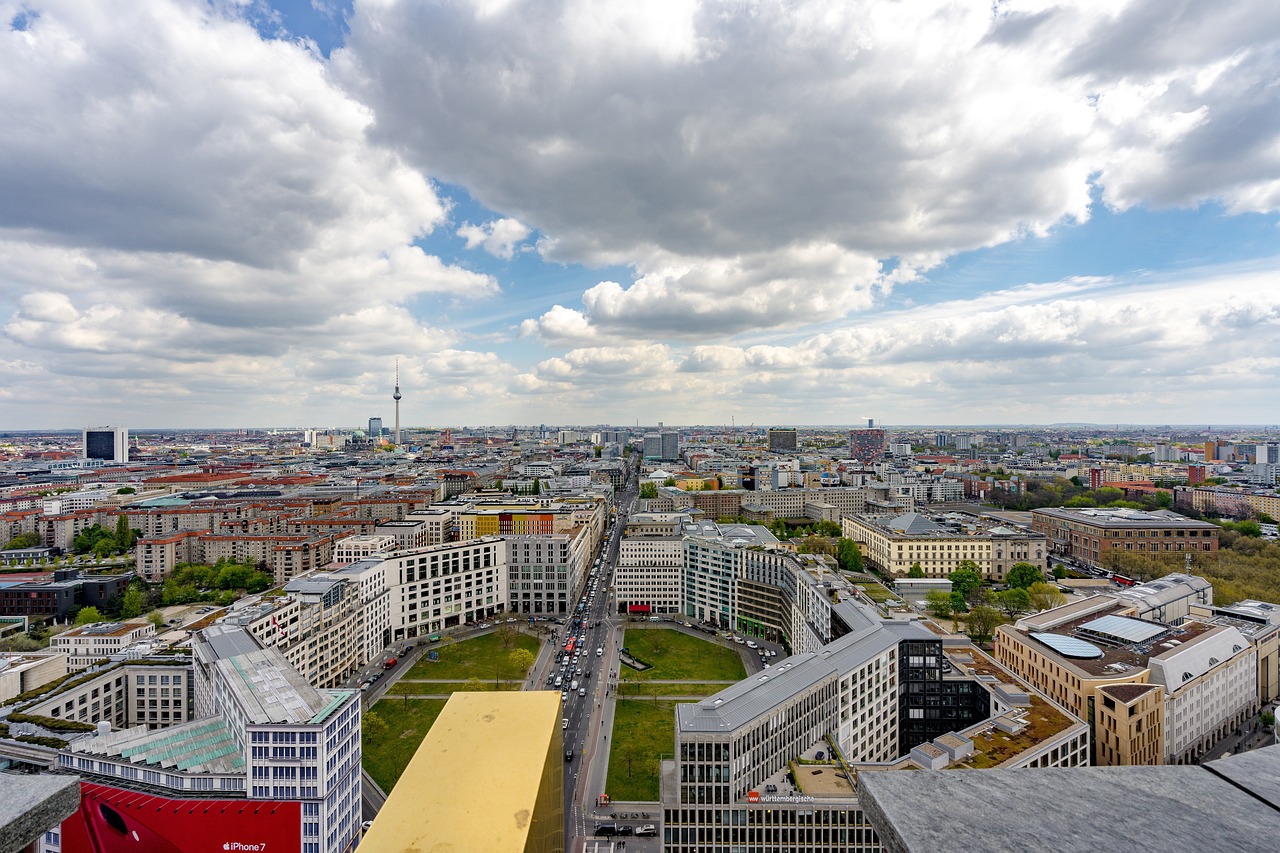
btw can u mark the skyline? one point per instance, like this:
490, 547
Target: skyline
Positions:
568, 212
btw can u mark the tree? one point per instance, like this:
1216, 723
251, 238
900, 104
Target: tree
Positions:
24, 540
966, 578
916, 571
938, 603
124, 535
981, 622
670, 481
1045, 595
507, 635
155, 617
648, 491
521, 661
88, 615
1023, 575
1249, 528
849, 555
1013, 601
373, 723
958, 602
131, 604
126, 490
537, 486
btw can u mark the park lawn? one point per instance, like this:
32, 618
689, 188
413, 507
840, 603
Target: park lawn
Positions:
386, 750
418, 688
474, 658
643, 732
678, 656
689, 688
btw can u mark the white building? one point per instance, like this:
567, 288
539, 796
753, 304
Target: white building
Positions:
439, 587
87, 644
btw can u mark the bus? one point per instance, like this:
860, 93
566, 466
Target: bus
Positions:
568, 647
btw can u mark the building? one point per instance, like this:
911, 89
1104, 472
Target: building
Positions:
375, 428
276, 763
1169, 599
57, 594
85, 645
650, 558
1229, 804
866, 445
22, 672
148, 692
1205, 675
783, 440
1092, 535
107, 443
662, 446
439, 587
474, 734
940, 544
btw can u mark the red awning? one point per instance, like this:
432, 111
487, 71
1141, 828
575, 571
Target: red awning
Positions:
637, 608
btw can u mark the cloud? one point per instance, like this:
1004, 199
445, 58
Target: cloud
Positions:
499, 237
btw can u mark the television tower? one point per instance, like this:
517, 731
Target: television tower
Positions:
396, 397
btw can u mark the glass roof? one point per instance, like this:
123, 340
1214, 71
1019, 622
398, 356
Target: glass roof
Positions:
1121, 629
1069, 646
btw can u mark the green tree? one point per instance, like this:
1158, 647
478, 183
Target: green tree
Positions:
1023, 575
521, 660
537, 486
982, 622
88, 615
374, 725
958, 602
648, 491
124, 535
1045, 595
126, 490
132, 603
1013, 601
849, 555
156, 618
916, 571
938, 603
24, 540
670, 481
966, 578
104, 547
1249, 528
1059, 573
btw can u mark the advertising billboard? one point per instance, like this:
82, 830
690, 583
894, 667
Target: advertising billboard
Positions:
115, 820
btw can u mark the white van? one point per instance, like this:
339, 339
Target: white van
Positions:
573, 685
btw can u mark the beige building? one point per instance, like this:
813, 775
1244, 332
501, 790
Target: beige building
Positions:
130, 694
1079, 652
895, 544
87, 644
22, 672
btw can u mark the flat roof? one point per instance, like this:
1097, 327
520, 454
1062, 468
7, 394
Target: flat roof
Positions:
488, 776
1220, 806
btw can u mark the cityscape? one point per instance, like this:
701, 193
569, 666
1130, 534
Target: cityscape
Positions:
589, 426
298, 634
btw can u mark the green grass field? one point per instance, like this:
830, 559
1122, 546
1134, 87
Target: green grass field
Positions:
679, 656
628, 689
643, 732
392, 736
474, 658
417, 688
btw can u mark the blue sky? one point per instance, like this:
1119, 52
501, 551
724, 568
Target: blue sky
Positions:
576, 212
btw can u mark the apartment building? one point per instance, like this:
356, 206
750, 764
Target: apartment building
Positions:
362, 546
1092, 535
895, 544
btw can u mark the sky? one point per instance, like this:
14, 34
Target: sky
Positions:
231, 214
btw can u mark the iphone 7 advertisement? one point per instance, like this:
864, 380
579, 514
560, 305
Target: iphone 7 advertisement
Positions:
114, 820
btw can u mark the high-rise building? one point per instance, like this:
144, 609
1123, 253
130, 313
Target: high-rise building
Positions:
375, 427
663, 445
782, 440
109, 443
866, 445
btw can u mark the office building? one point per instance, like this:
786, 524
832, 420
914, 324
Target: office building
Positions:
1155, 694
375, 428
895, 544
782, 440
87, 644
489, 776
107, 443
662, 446
1092, 535
866, 445
268, 760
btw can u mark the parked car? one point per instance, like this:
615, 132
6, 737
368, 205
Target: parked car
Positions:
647, 830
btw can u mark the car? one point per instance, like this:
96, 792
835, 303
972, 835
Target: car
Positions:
626, 829
564, 723
568, 755
582, 691
738, 639
599, 651
606, 830
564, 695
647, 830
751, 644
365, 826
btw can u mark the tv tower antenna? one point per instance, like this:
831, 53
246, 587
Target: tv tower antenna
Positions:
396, 396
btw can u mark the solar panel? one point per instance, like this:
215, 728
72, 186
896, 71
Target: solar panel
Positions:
1123, 629
1070, 647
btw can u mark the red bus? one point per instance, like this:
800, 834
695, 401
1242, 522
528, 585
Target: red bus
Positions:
568, 647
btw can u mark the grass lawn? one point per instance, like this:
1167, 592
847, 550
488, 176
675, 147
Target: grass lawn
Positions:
643, 731
387, 749
691, 688
876, 592
474, 658
417, 688
679, 656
